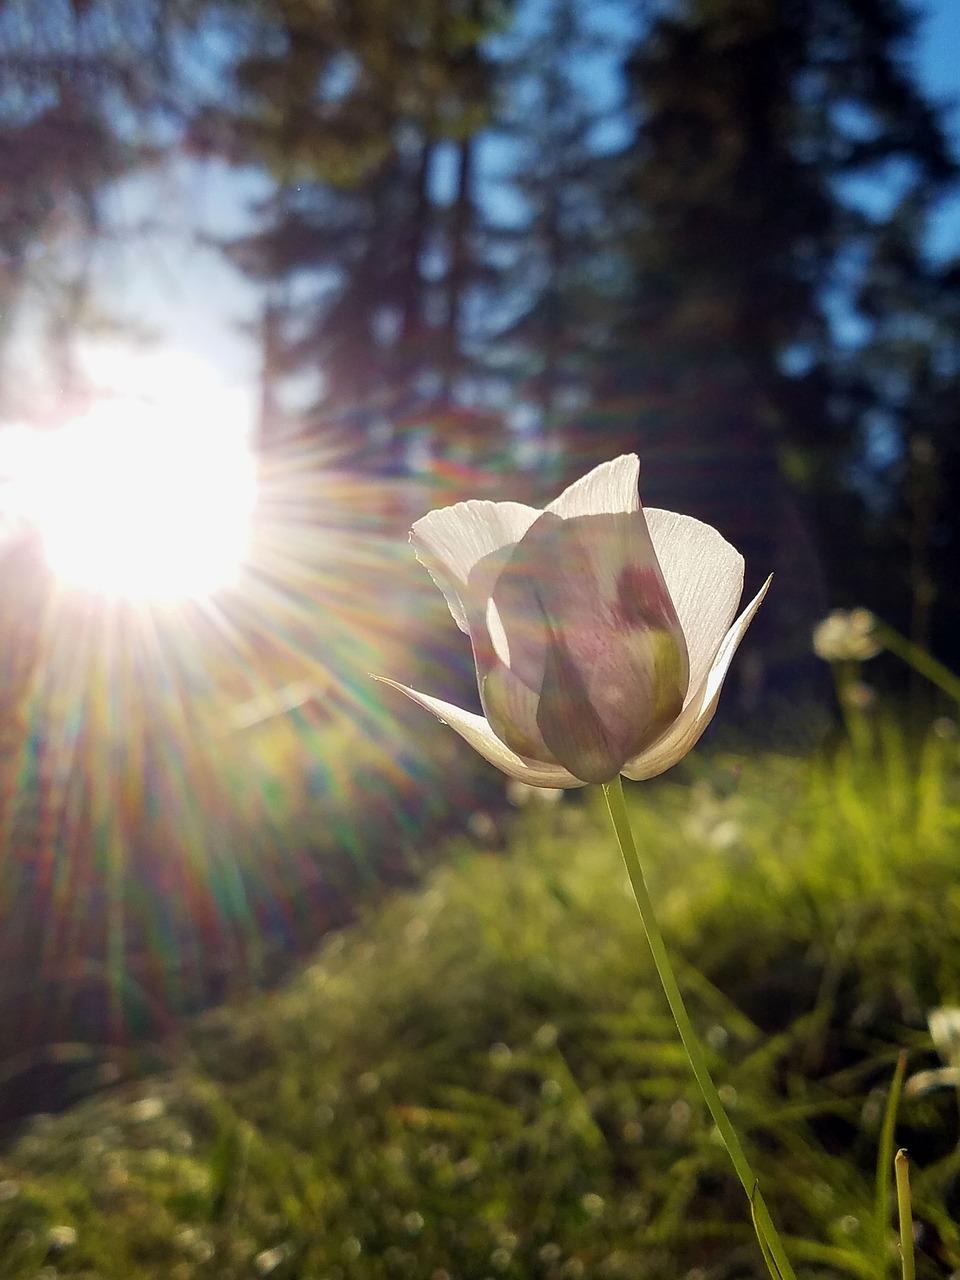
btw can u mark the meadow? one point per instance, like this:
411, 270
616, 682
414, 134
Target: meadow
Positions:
479, 1078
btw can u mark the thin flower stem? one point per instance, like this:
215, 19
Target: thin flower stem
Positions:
917, 657
884, 1159
901, 1167
613, 792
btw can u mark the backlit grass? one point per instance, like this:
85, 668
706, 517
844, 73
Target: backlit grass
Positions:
481, 1078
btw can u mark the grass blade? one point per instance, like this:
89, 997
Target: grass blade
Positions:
884, 1160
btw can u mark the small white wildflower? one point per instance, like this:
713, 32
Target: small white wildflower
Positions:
520, 794
944, 1024
717, 1036
269, 1259
859, 696
846, 636
482, 827
147, 1109
61, 1237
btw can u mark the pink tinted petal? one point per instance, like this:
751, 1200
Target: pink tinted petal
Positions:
570, 722
704, 576
450, 542
606, 490
590, 627
475, 730
685, 732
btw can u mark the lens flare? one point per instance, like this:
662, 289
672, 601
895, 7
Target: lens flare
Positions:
192, 790
147, 494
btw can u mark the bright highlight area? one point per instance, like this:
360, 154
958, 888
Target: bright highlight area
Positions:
149, 493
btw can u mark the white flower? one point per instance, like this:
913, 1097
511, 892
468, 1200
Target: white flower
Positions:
601, 633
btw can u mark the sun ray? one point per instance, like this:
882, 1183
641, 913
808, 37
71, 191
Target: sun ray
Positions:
165, 848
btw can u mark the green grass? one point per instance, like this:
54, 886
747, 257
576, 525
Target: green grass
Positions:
481, 1078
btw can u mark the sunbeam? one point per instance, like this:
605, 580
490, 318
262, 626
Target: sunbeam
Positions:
148, 492
199, 778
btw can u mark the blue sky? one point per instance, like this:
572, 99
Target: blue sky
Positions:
937, 61
196, 301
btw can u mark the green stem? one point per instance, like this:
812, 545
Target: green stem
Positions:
902, 1172
613, 792
884, 1158
918, 658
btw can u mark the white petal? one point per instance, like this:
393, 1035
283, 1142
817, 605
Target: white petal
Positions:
704, 575
608, 489
450, 541
686, 730
475, 730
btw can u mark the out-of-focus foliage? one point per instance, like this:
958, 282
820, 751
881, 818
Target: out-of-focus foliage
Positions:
483, 1079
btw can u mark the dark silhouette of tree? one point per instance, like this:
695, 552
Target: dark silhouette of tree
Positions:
752, 122
356, 109
552, 285
905, 402
84, 88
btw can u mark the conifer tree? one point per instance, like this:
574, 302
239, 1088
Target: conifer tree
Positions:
356, 108
752, 124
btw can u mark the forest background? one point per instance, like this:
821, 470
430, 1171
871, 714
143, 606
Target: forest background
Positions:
482, 245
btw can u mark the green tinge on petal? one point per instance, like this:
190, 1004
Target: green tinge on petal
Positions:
511, 711
669, 681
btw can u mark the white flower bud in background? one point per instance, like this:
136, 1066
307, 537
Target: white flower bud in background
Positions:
846, 636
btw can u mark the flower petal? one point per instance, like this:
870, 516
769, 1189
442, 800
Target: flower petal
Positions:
451, 541
475, 730
581, 628
686, 730
510, 708
608, 489
704, 575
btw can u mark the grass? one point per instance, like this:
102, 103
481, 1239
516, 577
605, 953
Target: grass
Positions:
480, 1078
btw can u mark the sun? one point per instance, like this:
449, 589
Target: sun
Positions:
147, 494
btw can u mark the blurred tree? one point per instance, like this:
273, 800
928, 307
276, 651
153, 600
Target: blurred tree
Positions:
766, 132
904, 396
79, 81
366, 116
549, 245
